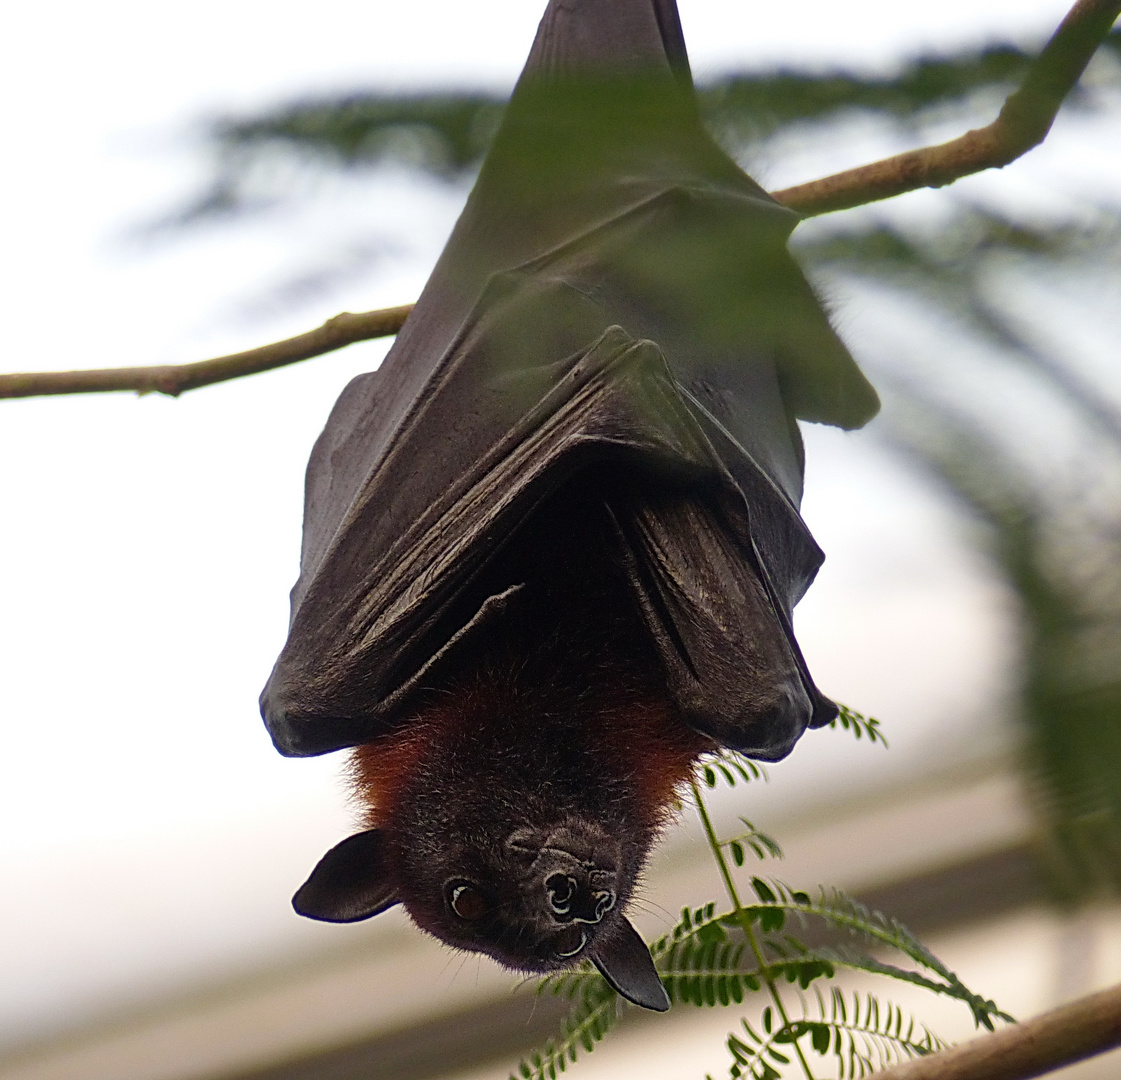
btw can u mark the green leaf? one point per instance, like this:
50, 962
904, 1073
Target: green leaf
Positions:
859, 724
711, 933
593, 1014
771, 919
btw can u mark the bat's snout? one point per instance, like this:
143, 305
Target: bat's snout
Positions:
580, 896
572, 876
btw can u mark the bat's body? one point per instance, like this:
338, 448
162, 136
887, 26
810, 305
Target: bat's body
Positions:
552, 545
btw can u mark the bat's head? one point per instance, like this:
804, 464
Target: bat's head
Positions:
522, 841
535, 899
542, 902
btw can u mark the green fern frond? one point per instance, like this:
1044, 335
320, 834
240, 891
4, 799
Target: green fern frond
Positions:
845, 913
841, 911
596, 1004
864, 1036
595, 1013
860, 725
984, 1009
703, 960
700, 965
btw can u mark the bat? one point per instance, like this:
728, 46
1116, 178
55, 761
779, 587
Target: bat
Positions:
551, 546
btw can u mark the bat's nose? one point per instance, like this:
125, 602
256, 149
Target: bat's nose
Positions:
574, 897
597, 904
561, 890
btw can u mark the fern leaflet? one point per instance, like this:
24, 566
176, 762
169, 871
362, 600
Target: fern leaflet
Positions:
864, 1036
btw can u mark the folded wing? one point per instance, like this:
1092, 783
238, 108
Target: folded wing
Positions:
616, 296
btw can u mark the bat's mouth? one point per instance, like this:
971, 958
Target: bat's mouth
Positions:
569, 942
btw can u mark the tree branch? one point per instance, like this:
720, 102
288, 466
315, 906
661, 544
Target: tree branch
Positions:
1088, 1026
174, 379
1024, 121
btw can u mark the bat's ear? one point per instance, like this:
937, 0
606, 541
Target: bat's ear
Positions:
351, 882
625, 962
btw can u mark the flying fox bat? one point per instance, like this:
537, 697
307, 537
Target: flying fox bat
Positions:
551, 546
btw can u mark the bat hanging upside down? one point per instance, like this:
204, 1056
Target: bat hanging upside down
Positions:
552, 544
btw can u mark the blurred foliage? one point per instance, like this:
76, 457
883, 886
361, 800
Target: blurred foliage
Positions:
447, 134
1045, 492
1062, 559
1046, 495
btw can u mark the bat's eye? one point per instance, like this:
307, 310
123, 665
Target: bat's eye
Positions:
466, 901
569, 941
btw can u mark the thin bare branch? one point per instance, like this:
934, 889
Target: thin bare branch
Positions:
1088, 1026
1023, 122
174, 379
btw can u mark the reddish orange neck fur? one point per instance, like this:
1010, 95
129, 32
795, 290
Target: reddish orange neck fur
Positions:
640, 739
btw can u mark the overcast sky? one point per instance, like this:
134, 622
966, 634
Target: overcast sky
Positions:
148, 544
